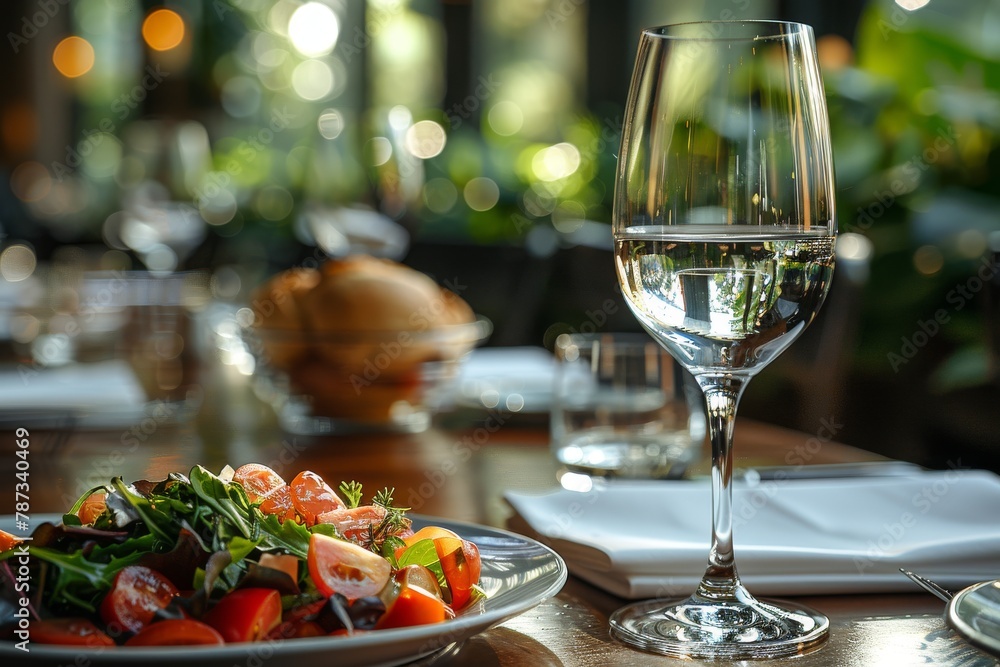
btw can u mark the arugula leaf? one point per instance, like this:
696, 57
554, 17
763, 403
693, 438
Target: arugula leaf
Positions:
78, 579
228, 499
240, 548
328, 529
157, 521
290, 536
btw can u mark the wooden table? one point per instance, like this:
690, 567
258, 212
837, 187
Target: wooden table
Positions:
461, 474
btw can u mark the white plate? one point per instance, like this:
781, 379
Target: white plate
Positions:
517, 574
974, 612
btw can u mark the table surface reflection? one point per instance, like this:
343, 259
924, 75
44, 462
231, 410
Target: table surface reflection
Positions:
460, 472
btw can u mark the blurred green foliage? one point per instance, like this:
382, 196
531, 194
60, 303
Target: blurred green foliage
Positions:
915, 124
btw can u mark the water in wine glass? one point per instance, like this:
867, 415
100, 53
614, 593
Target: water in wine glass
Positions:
725, 301
724, 224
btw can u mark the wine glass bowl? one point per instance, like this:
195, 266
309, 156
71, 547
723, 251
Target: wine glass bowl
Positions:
724, 228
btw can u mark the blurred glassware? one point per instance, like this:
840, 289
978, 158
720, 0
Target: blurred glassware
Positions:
622, 407
343, 231
100, 348
358, 382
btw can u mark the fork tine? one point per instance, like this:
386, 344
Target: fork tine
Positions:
929, 585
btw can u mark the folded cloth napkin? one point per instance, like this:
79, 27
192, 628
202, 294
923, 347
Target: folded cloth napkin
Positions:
640, 539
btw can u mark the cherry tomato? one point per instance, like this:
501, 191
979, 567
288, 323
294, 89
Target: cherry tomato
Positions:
413, 606
462, 566
339, 566
176, 632
312, 496
92, 508
69, 631
257, 480
246, 614
136, 594
8, 541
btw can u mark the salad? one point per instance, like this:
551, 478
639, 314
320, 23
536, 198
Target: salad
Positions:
238, 556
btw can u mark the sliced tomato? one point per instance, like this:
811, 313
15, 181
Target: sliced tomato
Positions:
136, 594
412, 606
462, 566
176, 632
246, 614
354, 523
279, 503
92, 507
8, 541
257, 480
429, 533
69, 632
339, 566
312, 496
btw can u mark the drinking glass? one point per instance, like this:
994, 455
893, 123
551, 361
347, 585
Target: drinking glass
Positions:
724, 232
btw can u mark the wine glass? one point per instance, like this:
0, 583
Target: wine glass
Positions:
724, 233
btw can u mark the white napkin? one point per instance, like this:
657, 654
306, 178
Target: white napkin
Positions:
103, 384
792, 537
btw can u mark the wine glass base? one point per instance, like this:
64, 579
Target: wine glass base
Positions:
712, 629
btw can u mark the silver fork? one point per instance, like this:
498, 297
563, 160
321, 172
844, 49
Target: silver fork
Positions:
929, 585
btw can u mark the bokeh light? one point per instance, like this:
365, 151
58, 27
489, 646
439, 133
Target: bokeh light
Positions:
241, 96
555, 162
313, 29
379, 150
330, 123
399, 117
274, 203
73, 57
17, 262
163, 29
425, 139
440, 195
481, 193
972, 243
912, 4
312, 80
505, 118
30, 181
928, 260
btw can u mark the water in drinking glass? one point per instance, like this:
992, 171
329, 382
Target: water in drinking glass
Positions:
623, 408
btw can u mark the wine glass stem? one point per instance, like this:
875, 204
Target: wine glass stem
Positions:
722, 395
